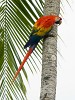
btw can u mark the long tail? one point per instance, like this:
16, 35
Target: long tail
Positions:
20, 67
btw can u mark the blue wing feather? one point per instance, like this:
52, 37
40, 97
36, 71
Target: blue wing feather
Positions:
33, 40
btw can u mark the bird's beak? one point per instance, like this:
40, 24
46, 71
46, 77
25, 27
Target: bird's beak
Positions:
58, 22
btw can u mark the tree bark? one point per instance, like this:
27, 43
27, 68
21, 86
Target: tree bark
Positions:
49, 59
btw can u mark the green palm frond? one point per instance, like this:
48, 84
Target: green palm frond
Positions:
17, 19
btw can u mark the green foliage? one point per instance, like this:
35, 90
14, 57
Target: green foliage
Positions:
16, 20
1, 47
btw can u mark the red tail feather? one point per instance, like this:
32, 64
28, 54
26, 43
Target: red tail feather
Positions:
25, 59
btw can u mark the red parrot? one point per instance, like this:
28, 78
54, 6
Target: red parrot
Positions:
41, 27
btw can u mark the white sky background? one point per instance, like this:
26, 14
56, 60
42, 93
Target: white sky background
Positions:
66, 64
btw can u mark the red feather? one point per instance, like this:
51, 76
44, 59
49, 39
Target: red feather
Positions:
42, 26
46, 21
25, 59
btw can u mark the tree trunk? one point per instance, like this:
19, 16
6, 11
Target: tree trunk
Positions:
49, 59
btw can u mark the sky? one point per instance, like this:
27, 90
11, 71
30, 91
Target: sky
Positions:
66, 61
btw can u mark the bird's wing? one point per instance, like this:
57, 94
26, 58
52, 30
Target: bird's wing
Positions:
42, 26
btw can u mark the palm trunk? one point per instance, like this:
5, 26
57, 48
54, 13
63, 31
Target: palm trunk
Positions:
49, 61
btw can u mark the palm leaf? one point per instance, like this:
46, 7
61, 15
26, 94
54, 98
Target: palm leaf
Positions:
17, 19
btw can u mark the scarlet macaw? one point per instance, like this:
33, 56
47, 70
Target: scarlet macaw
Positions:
41, 27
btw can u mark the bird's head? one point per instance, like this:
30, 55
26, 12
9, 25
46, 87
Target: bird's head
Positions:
58, 20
